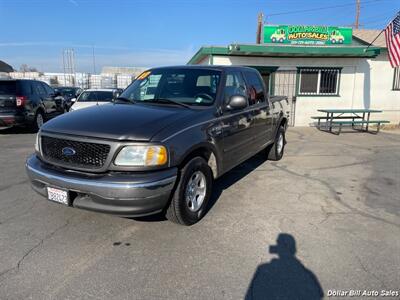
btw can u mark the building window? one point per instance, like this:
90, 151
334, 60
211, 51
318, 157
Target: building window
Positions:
396, 79
316, 81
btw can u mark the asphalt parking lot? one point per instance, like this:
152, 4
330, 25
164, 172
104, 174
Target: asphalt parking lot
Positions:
332, 203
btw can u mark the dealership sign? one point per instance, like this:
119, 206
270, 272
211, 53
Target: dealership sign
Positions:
307, 35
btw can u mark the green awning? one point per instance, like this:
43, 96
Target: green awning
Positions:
273, 50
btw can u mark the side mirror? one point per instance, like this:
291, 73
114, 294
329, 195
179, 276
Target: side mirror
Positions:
116, 95
73, 100
237, 102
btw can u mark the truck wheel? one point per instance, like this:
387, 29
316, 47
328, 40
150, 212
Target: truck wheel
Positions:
275, 151
189, 201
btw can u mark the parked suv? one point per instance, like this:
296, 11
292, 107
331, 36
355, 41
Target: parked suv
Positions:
160, 145
28, 103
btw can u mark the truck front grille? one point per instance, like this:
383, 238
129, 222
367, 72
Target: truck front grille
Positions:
74, 153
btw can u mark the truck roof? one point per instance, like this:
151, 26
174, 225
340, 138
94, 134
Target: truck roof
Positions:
206, 67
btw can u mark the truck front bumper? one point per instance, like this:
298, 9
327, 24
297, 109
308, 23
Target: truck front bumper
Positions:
124, 194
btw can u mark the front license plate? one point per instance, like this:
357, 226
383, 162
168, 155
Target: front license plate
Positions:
57, 195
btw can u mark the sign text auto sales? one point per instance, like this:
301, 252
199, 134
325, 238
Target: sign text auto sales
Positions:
307, 35
308, 32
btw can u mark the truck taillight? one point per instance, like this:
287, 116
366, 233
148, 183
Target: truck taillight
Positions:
21, 100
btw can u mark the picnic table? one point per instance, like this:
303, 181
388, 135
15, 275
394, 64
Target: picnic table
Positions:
340, 117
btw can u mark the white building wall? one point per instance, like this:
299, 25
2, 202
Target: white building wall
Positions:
364, 83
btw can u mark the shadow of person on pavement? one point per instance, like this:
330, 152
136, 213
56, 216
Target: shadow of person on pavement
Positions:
284, 277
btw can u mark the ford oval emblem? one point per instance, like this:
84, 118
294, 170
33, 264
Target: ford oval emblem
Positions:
68, 151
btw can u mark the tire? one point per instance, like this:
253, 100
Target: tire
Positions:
38, 121
276, 150
182, 210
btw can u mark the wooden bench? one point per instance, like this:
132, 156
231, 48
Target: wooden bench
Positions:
362, 122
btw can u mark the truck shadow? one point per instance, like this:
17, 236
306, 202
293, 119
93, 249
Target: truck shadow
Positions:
235, 175
284, 277
222, 183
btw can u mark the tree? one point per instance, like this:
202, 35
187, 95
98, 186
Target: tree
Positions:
26, 68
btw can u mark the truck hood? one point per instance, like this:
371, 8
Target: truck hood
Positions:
136, 122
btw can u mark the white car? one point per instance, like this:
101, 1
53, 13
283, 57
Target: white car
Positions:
92, 97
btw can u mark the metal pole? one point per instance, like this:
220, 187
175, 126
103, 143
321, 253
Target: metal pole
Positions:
391, 20
63, 59
260, 19
357, 23
370, 44
94, 61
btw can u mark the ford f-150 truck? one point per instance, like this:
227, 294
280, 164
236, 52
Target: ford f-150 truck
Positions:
160, 145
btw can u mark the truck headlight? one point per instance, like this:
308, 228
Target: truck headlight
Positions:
142, 156
37, 145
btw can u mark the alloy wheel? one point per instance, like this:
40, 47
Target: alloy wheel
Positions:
195, 192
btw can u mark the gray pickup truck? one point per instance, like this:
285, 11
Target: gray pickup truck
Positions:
160, 145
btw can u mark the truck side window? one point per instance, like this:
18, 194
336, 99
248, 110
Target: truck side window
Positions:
234, 85
256, 88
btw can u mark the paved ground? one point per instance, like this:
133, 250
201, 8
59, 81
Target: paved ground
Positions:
335, 197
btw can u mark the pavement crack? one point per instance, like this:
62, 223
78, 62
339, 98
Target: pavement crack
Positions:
27, 253
369, 273
333, 192
6, 187
364, 162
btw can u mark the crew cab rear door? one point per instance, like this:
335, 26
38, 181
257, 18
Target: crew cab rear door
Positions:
260, 108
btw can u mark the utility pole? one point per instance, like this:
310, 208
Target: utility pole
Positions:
260, 23
94, 60
357, 23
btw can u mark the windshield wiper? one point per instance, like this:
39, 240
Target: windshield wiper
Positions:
124, 99
166, 100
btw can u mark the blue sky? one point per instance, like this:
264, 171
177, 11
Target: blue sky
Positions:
151, 33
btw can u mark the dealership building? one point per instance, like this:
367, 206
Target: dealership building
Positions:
318, 67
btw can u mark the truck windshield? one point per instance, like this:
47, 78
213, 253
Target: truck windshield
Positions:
188, 86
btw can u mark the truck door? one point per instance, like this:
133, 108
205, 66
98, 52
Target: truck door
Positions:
260, 109
236, 124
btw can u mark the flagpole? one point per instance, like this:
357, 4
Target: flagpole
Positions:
365, 50
391, 20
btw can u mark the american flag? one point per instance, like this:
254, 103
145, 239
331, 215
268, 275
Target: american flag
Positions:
392, 34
